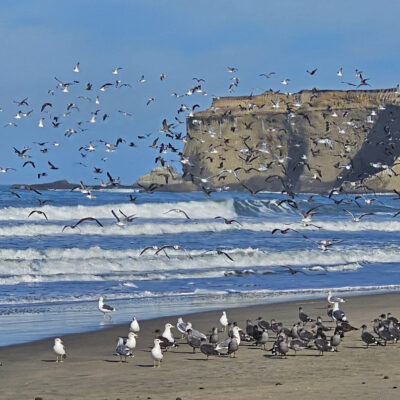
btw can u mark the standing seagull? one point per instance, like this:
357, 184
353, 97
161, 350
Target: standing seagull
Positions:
333, 300
59, 349
225, 345
122, 350
134, 326
167, 338
208, 350
156, 353
182, 326
105, 309
192, 340
213, 338
337, 314
131, 341
223, 321
304, 318
368, 338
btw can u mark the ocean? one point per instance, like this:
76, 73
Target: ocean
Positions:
50, 280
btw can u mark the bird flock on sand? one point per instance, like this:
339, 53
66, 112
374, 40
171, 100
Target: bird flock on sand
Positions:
225, 339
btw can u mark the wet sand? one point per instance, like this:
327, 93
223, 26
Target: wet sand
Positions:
91, 371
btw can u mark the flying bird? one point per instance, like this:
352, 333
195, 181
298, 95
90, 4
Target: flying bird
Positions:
82, 220
228, 221
357, 219
312, 72
116, 70
38, 212
178, 210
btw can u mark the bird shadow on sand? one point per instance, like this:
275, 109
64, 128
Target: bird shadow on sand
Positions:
49, 361
303, 355
116, 361
272, 357
145, 365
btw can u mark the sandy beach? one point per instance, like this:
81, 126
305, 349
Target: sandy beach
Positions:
91, 371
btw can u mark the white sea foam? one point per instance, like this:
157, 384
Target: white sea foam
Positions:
195, 209
174, 226
95, 263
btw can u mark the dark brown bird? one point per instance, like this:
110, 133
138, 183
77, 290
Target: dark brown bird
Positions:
52, 166
45, 105
38, 212
82, 220
313, 71
283, 231
220, 252
228, 221
292, 271
29, 162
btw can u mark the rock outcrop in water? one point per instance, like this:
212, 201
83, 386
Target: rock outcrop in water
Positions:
311, 141
166, 179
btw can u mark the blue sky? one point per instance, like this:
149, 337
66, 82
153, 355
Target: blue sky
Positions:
42, 39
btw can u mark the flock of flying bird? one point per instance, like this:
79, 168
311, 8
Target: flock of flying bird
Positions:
167, 142
320, 337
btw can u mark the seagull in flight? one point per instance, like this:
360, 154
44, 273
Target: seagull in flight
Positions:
5, 170
267, 75
178, 210
116, 70
323, 245
173, 247
357, 219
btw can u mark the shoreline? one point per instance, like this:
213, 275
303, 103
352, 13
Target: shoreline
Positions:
92, 321
92, 372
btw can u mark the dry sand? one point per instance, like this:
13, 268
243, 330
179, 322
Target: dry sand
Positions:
92, 372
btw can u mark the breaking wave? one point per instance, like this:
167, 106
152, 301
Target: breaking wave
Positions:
97, 264
195, 209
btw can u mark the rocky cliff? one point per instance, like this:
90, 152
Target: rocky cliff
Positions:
307, 141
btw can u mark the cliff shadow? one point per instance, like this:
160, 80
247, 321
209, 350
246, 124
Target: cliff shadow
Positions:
380, 145
297, 145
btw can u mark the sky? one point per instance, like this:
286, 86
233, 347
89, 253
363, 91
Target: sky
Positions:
44, 39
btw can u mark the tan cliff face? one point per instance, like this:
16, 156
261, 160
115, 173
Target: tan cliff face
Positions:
307, 141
